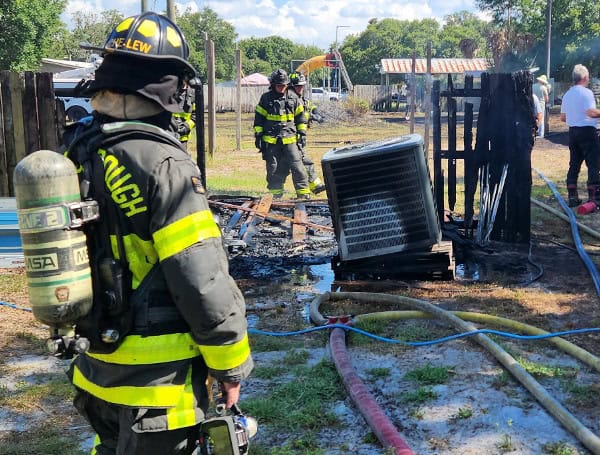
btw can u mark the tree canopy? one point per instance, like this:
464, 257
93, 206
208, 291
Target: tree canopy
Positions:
206, 23
28, 30
515, 38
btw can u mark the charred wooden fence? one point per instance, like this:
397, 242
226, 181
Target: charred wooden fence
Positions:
505, 136
30, 120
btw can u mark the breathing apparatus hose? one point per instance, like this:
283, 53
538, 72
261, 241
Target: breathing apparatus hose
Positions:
581, 432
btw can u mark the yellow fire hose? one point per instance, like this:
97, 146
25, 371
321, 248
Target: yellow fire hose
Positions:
580, 431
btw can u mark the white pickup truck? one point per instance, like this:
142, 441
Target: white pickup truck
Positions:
320, 94
75, 107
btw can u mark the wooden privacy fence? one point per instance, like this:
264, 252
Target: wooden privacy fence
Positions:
30, 120
379, 97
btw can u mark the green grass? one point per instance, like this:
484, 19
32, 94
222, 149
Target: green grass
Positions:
268, 372
429, 375
549, 371
301, 404
419, 395
48, 388
583, 396
264, 343
559, 448
378, 372
296, 357
462, 414
46, 439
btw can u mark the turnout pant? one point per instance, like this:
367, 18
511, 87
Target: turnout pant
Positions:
584, 146
286, 158
309, 164
123, 430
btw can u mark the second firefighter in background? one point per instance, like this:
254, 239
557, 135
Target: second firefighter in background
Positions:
297, 82
280, 127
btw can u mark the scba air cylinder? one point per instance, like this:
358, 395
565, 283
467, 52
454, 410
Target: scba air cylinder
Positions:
56, 259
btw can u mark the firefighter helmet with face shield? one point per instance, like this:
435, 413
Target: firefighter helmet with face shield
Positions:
297, 79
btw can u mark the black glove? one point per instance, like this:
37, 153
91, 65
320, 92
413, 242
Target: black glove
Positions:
302, 140
317, 117
258, 141
183, 129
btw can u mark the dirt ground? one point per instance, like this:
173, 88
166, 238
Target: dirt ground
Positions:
544, 284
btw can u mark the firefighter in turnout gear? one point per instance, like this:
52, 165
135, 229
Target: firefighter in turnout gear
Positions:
183, 122
280, 130
297, 82
187, 315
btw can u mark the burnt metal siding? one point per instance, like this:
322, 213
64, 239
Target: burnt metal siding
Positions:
381, 200
438, 65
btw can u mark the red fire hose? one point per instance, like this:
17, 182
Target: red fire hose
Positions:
382, 427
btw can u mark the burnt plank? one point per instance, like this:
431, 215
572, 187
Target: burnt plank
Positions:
451, 151
251, 225
299, 226
235, 218
438, 175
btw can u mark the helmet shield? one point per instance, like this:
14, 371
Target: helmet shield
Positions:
297, 79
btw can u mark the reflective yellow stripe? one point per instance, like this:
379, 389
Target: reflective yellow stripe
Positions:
258, 129
138, 350
276, 191
227, 356
302, 191
301, 127
261, 110
161, 396
184, 233
299, 109
141, 256
183, 415
284, 140
96, 443
280, 118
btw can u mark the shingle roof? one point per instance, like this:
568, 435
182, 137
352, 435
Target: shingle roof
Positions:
438, 65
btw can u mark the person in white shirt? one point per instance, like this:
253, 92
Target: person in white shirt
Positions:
579, 111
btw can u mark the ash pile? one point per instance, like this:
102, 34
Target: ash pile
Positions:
269, 237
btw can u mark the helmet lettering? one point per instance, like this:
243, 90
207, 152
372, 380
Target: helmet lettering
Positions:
138, 45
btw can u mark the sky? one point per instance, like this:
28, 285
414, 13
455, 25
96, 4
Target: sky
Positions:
310, 22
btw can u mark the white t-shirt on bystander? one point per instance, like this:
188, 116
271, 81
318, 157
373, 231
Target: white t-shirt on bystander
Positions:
575, 102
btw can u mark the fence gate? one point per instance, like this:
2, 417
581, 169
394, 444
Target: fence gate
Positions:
505, 137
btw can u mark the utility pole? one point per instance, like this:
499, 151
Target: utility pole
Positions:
171, 10
548, 35
144, 6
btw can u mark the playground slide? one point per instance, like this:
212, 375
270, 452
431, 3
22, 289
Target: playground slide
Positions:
314, 63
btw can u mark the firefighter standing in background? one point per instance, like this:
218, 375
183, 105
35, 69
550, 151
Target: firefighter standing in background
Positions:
280, 130
149, 395
298, 81
183, 122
